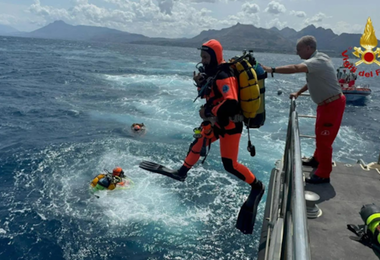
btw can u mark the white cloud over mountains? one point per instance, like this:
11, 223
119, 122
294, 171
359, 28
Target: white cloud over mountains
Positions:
276, 23
319, 17
165, 6
250, 8
275, 8
175, 18
300, 14
164, 18
7, 19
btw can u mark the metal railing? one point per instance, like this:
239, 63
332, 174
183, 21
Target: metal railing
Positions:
288, 236
297, 195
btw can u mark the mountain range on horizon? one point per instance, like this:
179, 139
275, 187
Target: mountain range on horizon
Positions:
237, 37
7, 30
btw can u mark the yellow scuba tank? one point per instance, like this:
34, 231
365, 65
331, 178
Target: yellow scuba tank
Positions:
260, 113
251, 79
249, 90
259, 119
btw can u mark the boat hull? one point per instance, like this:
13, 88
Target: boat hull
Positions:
356, 95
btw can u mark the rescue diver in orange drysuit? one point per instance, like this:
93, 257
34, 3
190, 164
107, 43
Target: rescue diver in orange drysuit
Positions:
221, 94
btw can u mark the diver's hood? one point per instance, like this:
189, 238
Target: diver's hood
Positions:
215, 49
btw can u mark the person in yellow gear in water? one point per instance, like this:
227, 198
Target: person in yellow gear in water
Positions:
108, 181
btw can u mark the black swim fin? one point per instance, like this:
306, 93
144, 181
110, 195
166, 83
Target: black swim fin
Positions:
160, 169
247, 214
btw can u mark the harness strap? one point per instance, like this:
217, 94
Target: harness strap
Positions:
356, 229
203, 89
362, 236
237, 118
376, 234
209, 148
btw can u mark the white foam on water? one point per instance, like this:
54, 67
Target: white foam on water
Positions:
172, 82
352, 145
149, 201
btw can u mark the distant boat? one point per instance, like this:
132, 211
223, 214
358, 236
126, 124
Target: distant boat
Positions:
355, 93
352, 92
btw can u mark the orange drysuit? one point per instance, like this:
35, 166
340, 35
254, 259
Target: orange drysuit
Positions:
222, 103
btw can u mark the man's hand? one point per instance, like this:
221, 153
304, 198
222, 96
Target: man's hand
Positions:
294, 95
267, 69
198, 78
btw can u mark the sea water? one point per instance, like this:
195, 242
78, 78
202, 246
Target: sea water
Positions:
65, 114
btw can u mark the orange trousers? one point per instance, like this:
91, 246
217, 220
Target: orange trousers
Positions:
229, 149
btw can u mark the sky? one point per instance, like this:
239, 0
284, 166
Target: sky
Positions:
187, 18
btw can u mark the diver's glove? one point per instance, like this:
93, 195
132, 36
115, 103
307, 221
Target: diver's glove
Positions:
200, 80
208, 112
205, 112
115, 179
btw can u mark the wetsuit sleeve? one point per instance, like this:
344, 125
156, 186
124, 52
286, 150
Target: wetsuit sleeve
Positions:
229, 106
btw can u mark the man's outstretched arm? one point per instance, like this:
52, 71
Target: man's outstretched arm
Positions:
287, 69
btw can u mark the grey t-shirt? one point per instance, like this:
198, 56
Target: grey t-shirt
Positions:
321, 78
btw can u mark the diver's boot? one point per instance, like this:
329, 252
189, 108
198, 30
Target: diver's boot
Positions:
182, 173
247, 214
257, 191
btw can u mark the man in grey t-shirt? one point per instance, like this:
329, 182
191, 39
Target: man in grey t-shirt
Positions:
325, 91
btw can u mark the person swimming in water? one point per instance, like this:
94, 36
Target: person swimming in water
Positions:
108, 181
138, 129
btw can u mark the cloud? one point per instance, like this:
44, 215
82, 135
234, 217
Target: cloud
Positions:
166, 6
243, 18
213, 1
318, 18
47, 12
276, 23
79, 2
248, 15
300, 14
82, 13
250, 8
204, 1
154, 18
7, 19
344, 27
275, 8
